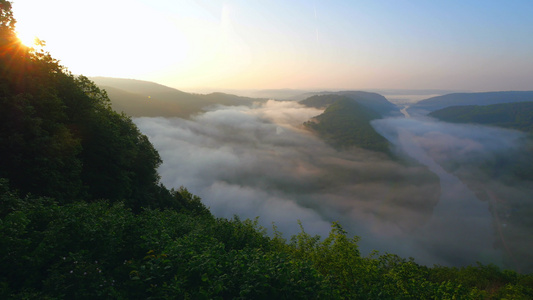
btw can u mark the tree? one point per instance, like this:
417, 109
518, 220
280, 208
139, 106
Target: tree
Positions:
59, 136
7, 22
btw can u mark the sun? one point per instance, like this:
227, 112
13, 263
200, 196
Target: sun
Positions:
28, 40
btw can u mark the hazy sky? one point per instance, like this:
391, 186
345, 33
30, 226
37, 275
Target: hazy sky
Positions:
236, 44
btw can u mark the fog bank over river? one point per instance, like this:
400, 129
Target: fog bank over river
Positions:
259, 161
460, 229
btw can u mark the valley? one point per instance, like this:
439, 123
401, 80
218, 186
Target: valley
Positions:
413, 191
266, 150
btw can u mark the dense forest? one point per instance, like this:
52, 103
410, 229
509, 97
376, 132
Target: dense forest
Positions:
138, 98
371, 101
507, 115
345, 123
462, 99
84, 216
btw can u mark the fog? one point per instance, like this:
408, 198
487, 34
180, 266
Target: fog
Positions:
259, 161
476, 165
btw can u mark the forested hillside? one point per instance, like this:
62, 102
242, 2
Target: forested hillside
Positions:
60, 138
372, 101
137, 98
83, 215
509, 115
345, 123
460, 99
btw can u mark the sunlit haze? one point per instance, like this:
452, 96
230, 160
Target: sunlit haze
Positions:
467, 45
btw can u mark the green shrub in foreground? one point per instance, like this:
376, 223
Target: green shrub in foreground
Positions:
103, 250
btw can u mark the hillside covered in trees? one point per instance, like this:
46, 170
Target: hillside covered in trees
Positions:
462, 99
371, 101
138, 98
508, 115
84, 216
345, 123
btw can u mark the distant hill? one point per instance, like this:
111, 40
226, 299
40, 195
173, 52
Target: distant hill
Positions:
508, 115
372, 101
460, 99
384, 92
321, 101
139, 98
346, 123
276, 94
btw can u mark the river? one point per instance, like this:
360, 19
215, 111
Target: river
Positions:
460, 229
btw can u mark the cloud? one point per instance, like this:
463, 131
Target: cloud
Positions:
259, 161
477, 166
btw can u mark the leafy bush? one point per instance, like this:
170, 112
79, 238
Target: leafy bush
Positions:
64, 148
103, 250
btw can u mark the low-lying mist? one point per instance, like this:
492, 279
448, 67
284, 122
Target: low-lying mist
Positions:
482, 205
259, 161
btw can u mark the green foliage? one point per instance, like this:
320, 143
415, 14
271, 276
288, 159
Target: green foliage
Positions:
337, 257
189, 202
79, 250
238, 235
509, 115
201, 267
38, 152
322, 101
139, 98
487, 282
42, 240
345, 124
462, 99
371, 101
7, 22
59, 137
101, 250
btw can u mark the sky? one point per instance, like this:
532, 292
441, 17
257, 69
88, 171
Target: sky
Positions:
236, 44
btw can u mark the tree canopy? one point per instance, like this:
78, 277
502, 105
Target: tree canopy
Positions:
59, 136
345, 123
83, 215
516, 115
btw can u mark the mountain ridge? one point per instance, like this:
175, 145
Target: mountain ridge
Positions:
373, 101
516, 115
345, 123
138, 98
461, 99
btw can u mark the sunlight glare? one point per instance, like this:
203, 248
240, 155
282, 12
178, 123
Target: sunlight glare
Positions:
28, 40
